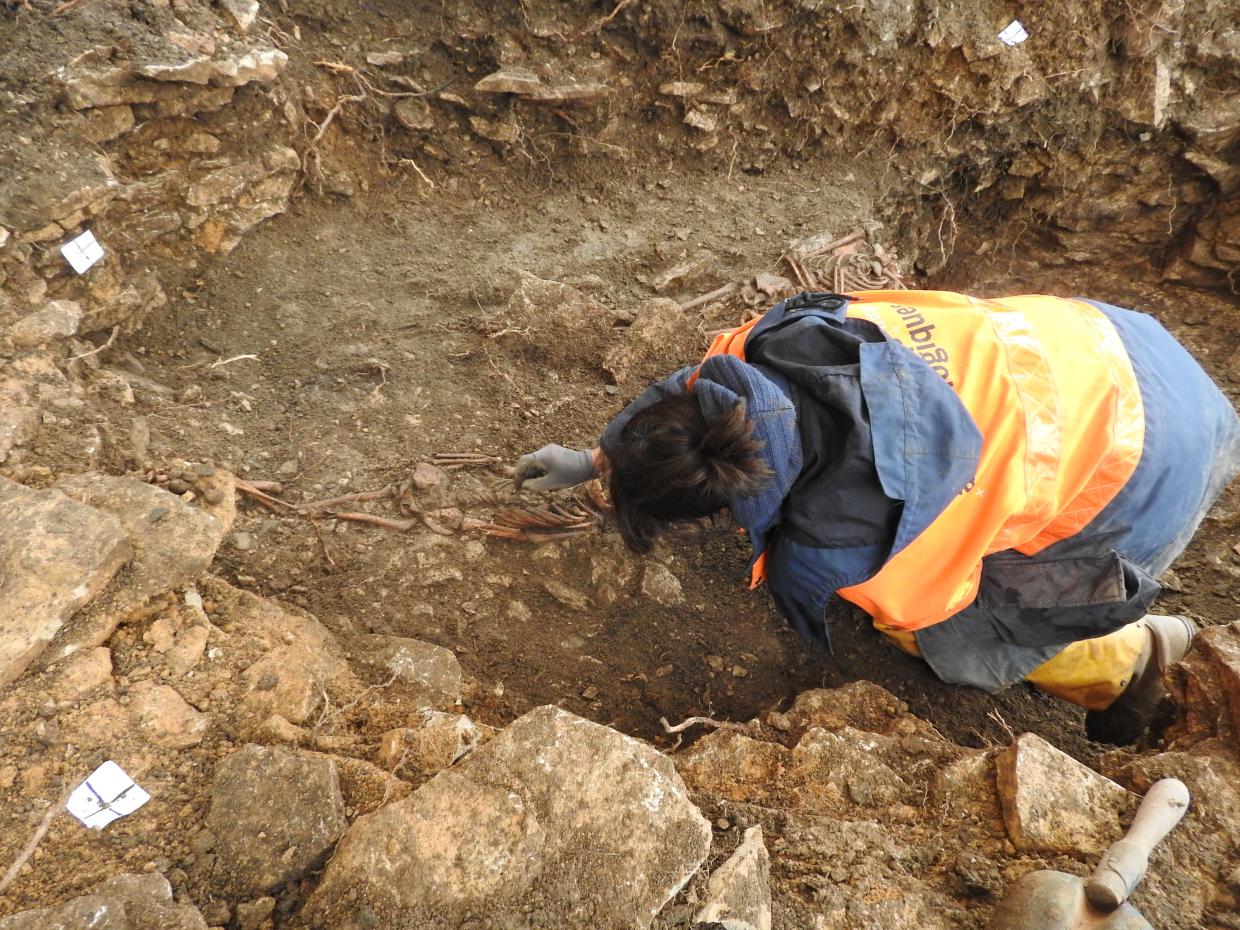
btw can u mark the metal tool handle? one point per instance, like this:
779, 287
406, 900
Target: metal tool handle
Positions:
1123, 865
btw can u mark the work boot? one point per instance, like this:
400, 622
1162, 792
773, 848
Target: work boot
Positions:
1168, 639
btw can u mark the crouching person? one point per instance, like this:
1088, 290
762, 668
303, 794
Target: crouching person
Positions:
997, 483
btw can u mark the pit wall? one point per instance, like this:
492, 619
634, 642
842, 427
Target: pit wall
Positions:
169, 129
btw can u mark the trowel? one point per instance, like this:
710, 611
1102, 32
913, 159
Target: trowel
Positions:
1046, 900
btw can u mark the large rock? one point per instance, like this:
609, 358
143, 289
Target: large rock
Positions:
173, 543
58, 319
556, 822
1054, 804
126, 902
738, 894
1207, 686
659, 340
55, 555
275, 815
555, 323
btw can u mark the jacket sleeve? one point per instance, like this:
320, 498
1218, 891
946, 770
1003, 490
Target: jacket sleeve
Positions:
672, 384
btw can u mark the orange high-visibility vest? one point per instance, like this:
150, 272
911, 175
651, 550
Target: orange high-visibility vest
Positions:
1054, 395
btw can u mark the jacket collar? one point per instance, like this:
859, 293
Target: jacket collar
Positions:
725, 381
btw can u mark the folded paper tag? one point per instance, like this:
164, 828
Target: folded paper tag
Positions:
1013, 34
107, 794
82, 252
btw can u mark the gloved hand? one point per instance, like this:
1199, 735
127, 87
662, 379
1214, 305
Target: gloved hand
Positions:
553, 467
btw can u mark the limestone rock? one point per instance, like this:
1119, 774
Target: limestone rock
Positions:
423, 751
659, 583
532, 829
844, 765
103, 124
242, 12
55, 556
59, 318
510, 81
49, 184
862, 705
413, 114
427, 674
692, 267
19, 423
163, 716
1206, 685
81, 673
1054, 804
733, 766
173, 542
660, 338
126, 902
275, 815
738, 894
555, 323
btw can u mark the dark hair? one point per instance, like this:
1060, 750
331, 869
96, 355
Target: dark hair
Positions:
671, 464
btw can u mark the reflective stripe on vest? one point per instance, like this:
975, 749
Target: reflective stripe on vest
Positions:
1053, 392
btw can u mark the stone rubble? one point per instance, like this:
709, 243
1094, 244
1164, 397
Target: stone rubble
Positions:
55, 556
524, 830
126, 902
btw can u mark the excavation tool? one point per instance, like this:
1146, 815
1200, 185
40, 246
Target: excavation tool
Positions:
1047, 900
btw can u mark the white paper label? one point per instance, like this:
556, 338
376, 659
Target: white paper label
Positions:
82, 252
1013, 34
107, 794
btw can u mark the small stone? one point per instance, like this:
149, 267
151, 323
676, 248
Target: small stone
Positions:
700, 119
590, 693
739, 671
659, 583
60, 318
738, 893
569, 597
164, 717
244, 542
243, 12
82, 673
252, 914
289, 469
692, 267
715, 663
494, 130
385, 59
1054, 804
510, 81
425, 673
414, 114
681, 89
216, 913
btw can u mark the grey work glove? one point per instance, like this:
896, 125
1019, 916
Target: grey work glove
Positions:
553, 467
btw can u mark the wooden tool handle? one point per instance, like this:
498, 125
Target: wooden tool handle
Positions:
1124, 864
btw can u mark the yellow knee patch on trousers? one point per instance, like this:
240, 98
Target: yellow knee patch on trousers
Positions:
1091, 673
